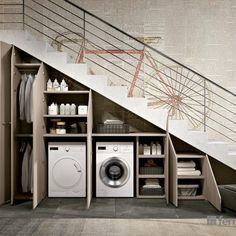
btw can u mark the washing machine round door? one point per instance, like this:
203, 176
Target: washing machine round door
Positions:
66, 172
114, 172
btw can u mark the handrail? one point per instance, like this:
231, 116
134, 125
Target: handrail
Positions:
161, 82
148, 46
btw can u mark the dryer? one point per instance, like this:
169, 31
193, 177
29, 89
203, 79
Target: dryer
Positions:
66, 169
114, 169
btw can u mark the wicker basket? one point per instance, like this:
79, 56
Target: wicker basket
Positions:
152, 191
112, 128
151, 170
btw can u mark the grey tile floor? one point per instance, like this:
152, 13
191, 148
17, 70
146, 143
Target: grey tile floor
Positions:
124, 208
113, 217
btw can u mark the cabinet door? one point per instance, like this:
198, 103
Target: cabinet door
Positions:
39, 151
5, 119
89, 151
173, 174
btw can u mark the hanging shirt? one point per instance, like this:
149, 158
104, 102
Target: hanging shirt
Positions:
29, 98
31, 171
25, 169
22, 96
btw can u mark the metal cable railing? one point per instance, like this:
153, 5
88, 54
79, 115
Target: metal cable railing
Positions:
128, 61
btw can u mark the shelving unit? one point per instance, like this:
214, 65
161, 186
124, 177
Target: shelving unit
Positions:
79, 96
160, 164
197, 187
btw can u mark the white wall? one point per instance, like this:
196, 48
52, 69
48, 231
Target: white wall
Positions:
199, 33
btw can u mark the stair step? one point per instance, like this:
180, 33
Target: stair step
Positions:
56, 57
80, 69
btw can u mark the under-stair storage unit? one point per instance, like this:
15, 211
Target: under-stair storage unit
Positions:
69, 124
28, 156
191, 176
152, 166
5, 122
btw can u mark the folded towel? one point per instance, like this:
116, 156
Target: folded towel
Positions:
195, 172
186, 169
151, 186
152, 181
185, 164
113, 122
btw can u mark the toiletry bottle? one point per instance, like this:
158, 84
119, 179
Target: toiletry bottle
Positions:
62, 109
49, 85
153, 148
56, 86
67, 109
63, 86
158, 148
73, 109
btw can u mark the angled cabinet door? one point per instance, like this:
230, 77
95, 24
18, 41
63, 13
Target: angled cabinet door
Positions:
39, 151
89, 150
173, 197
5, 122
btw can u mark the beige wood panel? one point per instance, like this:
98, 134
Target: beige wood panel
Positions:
166, 167
15, 160
137, 167
173, 182
39, 129
89, 150
5, 119
210, 188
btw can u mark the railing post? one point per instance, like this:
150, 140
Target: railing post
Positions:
84, 38
23, 12
204, 105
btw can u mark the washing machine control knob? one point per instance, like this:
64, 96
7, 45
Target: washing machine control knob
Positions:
115, 148
67, 149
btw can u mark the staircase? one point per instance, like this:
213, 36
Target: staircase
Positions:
158, 99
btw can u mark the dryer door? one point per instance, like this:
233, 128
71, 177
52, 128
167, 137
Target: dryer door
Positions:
114, 172
66, 172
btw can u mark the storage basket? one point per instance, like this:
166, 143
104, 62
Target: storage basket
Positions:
152, 191
158, 170
112, 128
187, 190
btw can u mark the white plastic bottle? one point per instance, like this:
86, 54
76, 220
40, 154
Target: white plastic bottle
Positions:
158, 148
153, 148
56, 86
73, 109
67, 109
63, 86
49, 85
62, 109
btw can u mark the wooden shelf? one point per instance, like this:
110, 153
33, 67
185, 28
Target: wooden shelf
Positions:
128, 134
64, 135
151, 196
151, 176
24, 135
23, 196
67, 92
28, 66
65, 116
189, 155
191, 197
151, 156
190, 177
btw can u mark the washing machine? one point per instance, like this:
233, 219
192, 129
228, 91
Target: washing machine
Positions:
66, 169
114, 169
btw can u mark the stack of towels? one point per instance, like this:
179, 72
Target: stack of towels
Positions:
151, 183
187, 168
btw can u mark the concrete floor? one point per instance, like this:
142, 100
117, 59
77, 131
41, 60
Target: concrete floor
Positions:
68, 216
